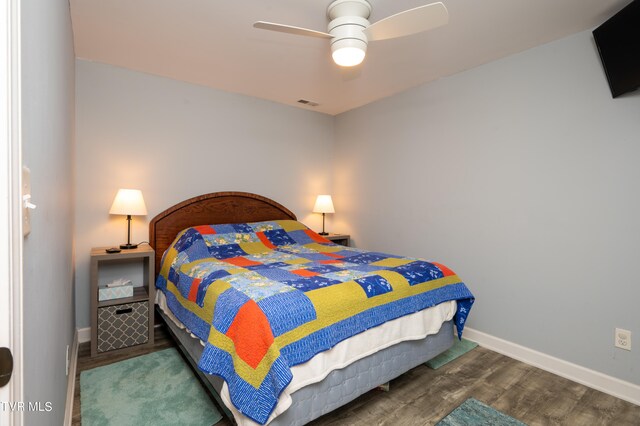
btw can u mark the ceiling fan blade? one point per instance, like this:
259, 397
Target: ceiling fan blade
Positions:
409, 22
289, 29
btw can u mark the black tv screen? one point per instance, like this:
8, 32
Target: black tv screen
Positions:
618, 42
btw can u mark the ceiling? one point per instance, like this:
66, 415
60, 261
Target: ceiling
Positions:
212, 43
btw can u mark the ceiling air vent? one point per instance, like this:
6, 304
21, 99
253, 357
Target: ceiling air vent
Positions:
309, 103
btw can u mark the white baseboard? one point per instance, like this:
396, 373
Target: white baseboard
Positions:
84, 335
593, 379
71, 379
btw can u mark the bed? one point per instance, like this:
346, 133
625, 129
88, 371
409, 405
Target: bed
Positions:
283, 378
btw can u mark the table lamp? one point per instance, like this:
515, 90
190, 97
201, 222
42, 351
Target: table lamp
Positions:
128, 202
323, 205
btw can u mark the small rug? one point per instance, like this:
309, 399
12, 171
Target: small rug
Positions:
474, 412
460, 347
154, 389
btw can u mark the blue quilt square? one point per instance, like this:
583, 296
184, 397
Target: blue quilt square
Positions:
311, 283
367, 268
279, 237
184, 284
161, 282
315, 256
363, 258
243, 228
276, 265
261, 266
301, 237
187, 239
418, 272
374, 285
173, 276
287, 311
226, 251
224, 229
277, 274
197, 250
323, 269
231, 300
343, 253
204, 285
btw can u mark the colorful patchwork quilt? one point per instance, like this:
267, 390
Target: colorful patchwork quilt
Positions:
270, 295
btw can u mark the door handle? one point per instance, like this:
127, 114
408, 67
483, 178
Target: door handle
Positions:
6, 366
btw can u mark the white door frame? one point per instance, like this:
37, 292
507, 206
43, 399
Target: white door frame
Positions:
11, 209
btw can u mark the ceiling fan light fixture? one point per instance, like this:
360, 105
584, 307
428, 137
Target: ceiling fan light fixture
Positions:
350, 31
348, 52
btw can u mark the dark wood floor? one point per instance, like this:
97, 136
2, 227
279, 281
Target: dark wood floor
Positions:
424, 396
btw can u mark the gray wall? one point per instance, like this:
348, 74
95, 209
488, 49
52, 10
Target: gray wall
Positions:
175, 140
522, 176
519, 174
48, 138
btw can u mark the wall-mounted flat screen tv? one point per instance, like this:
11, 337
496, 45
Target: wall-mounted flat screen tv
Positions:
618, 42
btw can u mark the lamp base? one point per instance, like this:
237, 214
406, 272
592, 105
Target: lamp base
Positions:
128, 246
323, 233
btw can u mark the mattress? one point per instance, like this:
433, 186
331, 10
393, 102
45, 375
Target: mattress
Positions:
348, 370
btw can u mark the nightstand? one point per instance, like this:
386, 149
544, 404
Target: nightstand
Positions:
118, 324
341, 239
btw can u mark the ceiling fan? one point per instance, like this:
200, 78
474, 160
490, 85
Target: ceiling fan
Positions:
350, 30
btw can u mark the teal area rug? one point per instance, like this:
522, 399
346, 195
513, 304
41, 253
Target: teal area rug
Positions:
460, 347
474, 412
154, 389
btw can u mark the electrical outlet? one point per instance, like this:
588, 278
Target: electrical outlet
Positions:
67, 358
623, 339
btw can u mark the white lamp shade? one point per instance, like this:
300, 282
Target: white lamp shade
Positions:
129, 202
323, 204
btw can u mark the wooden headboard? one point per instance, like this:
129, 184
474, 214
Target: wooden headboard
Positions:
211, 209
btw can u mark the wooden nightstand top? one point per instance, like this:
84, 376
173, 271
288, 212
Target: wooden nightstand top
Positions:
342, 239
141, 250
338, 236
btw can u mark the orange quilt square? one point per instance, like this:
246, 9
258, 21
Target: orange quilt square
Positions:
241, 261
305, 273
251, 334
205, 229
193, 291
336, 255
316, 237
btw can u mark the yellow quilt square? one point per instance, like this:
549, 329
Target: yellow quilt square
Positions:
254, 247
290, 225
297, 261
392, 262
323, 248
